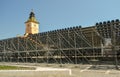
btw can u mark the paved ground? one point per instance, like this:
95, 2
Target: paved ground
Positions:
56, 70
103, 72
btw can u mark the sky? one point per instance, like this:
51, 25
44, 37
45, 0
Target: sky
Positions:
54, 14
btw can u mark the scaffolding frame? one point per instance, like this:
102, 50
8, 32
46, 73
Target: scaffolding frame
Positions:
70, 45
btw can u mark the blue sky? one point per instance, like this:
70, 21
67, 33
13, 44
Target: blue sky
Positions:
54, 14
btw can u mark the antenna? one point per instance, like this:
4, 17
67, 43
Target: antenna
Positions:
32, 10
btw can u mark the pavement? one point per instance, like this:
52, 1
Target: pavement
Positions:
38, 72
67, 70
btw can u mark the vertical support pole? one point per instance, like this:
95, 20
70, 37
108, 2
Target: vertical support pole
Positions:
102, 50
7, 56
60, 55
114, 44
26, 51
93, 45
4, 52
75, 49
18, 50
11, 53
36, 55
47, 49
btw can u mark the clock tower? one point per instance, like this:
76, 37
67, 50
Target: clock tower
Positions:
32, 25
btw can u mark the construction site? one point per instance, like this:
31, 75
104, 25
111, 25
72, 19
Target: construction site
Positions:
74, 45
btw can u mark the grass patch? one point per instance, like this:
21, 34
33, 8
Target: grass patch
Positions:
5, 67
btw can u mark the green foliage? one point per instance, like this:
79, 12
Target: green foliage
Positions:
4, 67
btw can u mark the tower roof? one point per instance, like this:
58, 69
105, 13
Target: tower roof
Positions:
32, 18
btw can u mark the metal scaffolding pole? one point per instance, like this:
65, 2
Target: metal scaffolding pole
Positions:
18, 50
36, 52
92, 34
113, 30
75, 50
47, 49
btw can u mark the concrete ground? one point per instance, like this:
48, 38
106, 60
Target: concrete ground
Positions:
57, 70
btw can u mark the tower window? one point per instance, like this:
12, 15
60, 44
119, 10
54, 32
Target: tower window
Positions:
28, 25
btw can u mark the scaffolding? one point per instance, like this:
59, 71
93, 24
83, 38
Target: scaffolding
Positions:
70, 45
